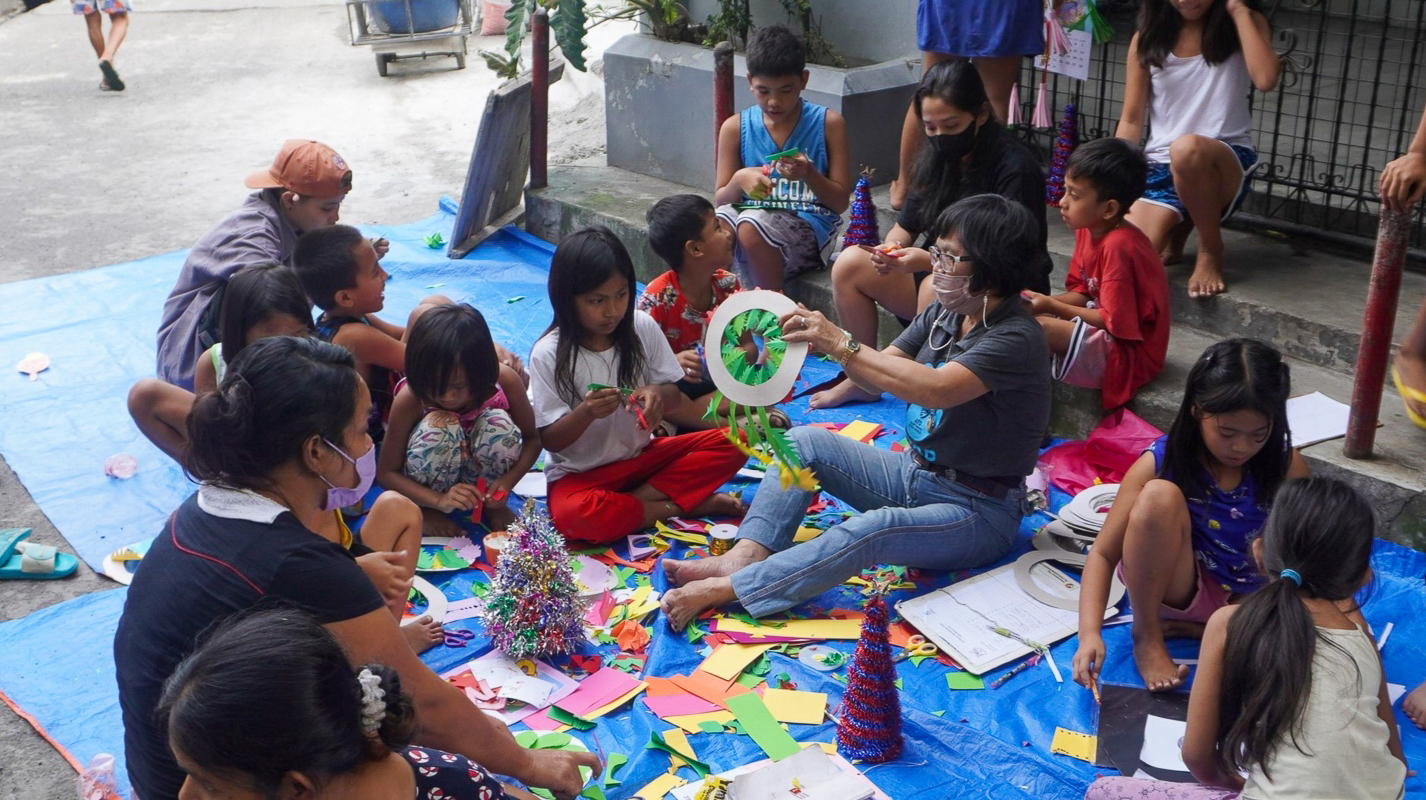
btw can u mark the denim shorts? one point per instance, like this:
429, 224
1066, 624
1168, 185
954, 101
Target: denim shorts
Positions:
1160, 191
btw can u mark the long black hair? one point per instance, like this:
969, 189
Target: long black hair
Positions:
255, 294
280, 392
937, 181
583, 262
1231, 375
446, 338
271, 692
1160, 23
1321, 528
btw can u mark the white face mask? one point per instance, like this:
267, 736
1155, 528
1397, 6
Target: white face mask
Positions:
953, 292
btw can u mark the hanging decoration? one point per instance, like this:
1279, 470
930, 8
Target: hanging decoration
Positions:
1065, 142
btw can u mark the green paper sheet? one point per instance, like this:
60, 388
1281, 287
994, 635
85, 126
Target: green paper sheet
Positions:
656, 742
964, 680
757, 720
566, 718
615, 762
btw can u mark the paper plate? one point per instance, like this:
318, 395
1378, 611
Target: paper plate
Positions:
593, 576
441, 542
123, 571
435, 601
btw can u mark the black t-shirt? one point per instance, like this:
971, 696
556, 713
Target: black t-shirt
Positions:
1017, 177
215, 557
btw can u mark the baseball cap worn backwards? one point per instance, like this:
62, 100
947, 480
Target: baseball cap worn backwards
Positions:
305, 167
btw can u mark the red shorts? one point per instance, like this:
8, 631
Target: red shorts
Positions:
1208, 596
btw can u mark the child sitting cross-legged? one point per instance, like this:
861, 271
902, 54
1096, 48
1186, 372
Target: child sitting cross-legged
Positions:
784, 212
601, 377
1110, 329
462, 432
698, 247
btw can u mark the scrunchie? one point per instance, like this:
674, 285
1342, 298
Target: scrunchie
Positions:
373, 702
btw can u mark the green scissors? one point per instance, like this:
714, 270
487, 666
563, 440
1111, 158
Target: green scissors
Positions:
917, 645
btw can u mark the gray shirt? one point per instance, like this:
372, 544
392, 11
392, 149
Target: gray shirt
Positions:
256, 233
998, 434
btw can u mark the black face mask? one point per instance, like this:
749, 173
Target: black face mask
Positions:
955, 145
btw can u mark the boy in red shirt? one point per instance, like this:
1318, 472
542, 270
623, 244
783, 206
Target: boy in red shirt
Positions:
1110, 329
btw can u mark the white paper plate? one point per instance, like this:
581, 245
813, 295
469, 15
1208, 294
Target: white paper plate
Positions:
594, 577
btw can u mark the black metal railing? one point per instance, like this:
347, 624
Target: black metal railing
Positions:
1348, 102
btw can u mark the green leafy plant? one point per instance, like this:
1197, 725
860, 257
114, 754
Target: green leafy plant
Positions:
568, 22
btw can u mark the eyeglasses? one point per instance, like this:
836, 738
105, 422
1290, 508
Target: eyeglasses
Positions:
945, 263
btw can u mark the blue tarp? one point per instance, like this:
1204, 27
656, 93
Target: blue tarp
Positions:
57, 663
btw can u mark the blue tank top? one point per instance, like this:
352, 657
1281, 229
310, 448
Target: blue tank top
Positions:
1224, 526
755, 144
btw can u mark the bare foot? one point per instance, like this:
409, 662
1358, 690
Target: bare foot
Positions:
744, 552
720, 504
498, 518
843, 393
898, 194
1181, 629
1207, 277
1158, 670
1414, 705
438, 523
423, 634
683, 605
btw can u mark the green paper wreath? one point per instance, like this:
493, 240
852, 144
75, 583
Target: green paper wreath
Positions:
762, 324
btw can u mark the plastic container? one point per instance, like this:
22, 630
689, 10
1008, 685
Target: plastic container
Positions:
96, 782
426, 15
494, 543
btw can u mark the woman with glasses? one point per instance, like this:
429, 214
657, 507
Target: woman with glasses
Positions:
974, 371
966, 152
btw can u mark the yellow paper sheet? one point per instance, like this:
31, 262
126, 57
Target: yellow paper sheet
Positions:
639, 604
682, 536
858, 429
691, 722
729, 660
658, 787
840, 629
678, 740
626, 697
1074, 744
790, 705
806, 534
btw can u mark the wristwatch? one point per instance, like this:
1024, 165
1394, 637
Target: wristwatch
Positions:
849, 350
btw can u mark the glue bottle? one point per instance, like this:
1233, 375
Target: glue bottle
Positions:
96, 782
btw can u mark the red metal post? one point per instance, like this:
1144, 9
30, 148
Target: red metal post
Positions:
539, 99
722, 87
1379, 319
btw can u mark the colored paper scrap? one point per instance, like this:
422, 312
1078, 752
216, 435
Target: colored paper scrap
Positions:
632, 636
612, 765
662, 686
861, 430
708, 687
806, 533
599, 610
678, 749
697, 723
753, 714
616, 703
573, 720
1074, 744
598, 690
964, 680
796, 629
803, 708
658, 787
729, 661
679, 705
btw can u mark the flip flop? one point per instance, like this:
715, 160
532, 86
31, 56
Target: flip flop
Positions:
111, 76
10, 538
32, 561
1409, 395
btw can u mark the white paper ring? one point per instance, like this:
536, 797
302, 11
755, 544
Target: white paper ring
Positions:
780, 382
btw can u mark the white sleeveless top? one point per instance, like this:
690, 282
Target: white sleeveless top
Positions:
1187, 95
1344, 739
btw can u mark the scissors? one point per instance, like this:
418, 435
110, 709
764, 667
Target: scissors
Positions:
456, 637
917, 645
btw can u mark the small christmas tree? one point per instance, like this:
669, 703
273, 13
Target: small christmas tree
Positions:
870, 729
1065, 143
533, 607
861, 228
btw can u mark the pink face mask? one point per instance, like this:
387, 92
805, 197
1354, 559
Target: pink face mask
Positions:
953, 292
338, 497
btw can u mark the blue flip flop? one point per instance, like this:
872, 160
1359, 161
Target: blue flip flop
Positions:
31, 561
9, 539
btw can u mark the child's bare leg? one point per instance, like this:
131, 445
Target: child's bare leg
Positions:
1057, 333
118, 29
394, 526
94, 22
1157, 223
1159, 568
912, 138
1206, 175
658, 507
764, 261
160, 410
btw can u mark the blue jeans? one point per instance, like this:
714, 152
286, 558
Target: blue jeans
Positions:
910, 517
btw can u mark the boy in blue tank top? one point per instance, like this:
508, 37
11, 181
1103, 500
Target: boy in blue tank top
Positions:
785, 211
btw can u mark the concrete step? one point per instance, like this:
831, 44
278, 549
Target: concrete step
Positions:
1305, 302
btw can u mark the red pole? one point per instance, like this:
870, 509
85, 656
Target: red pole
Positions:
539, 99
722, 87
1379, 319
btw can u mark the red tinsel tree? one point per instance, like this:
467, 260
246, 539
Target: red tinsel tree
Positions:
862, 228
870, 728
1065, 143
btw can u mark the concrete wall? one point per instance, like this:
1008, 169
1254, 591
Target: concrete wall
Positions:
865, 31
658, 101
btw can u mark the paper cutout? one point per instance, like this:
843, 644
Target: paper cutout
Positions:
660, 786
696, 723
860, 430
753, 714
566, 718
709, 687
1394, 691
632, 636
964, 680
1163, 743
612, 765
470, 608
729, 661
680, 705
1075, 744
662, 686
678, 740
614, 704
806, 533
679, 750
804, 708
795, 630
